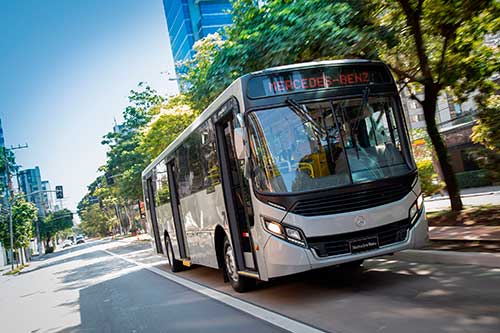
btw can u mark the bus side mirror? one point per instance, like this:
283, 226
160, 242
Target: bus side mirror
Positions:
239, 147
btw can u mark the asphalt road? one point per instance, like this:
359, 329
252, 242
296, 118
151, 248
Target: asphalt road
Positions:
88, 290
113, 287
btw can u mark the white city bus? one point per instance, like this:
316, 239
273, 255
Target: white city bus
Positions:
290, 169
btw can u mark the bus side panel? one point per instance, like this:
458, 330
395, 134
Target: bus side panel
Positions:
201, 213
166, 223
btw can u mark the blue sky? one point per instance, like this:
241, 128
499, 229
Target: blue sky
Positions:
66, 68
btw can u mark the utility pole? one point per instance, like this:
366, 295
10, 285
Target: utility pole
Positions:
10, 199
42, 215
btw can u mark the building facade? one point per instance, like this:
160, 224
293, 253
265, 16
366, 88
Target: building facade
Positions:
191, 20
48, 196
31, 184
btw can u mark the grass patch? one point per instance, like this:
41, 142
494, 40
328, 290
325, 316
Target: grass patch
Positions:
485, 215
16, 270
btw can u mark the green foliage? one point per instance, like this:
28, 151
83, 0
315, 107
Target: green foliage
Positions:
428, 178
277, 33
97, 222
125, 161
421, 144
6, 156
487, 133
54, 222
173, 118
487, 129
440, 44
23, 215
476, 178
151, 124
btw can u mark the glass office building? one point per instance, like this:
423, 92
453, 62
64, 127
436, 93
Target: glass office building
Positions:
191, 20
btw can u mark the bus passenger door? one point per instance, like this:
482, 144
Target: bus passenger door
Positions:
152, 213
236, 196
174, 195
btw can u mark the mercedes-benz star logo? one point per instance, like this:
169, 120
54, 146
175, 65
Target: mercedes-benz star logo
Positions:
360, 221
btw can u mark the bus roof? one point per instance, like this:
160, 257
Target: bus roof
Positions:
234, 89
312, 64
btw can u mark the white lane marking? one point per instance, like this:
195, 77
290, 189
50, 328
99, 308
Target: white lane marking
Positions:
253, 310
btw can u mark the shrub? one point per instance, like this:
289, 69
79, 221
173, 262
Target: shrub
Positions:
428, 178
476, 178
49, 249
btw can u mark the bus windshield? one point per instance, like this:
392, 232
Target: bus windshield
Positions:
303, 147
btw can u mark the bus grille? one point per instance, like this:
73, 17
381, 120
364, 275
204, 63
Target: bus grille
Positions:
348, 202
333, 245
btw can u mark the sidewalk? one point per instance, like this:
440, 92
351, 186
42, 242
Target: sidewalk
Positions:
468, 192
473, 233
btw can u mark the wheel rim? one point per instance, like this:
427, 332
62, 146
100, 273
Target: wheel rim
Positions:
231, 264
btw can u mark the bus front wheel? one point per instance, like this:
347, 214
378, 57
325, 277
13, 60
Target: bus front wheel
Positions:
239, 283
175, 265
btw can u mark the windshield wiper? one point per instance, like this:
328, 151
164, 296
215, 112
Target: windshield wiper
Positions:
302, 113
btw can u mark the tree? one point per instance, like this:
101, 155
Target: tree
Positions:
166, 126
97, 222
54, 222
276, 33
432, 45
487, 133
437, 44
125, 161
23, 215
487, 129
6, 156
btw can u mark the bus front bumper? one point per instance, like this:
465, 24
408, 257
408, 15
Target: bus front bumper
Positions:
283, 258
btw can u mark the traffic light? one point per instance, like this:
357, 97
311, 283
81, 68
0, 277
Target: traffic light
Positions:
109, 178
59, 192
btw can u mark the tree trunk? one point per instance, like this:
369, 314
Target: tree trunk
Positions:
21, 250
130, 217
47, 242
429, 106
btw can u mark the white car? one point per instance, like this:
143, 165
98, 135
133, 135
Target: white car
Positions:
67, 243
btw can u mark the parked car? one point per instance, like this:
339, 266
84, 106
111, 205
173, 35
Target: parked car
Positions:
67, 243
80, 240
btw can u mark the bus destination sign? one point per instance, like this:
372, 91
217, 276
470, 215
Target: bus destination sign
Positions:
314, 79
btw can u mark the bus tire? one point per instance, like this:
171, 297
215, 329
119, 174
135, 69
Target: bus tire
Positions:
175, 265
239, 283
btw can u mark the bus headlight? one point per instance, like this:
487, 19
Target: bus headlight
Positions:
287, 233
416, 208
274, 227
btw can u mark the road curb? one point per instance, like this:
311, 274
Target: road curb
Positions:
451, 257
